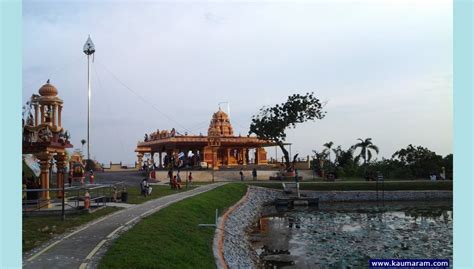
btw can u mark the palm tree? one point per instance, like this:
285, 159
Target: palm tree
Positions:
320, 155
328, 147
337, 154
366, 146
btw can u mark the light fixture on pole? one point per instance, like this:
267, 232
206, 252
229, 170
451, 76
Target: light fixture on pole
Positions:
89, 50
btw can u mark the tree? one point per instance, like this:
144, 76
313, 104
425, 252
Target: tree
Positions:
328, 147
343, 157
366, 147
320, 155
421, 161
272, 122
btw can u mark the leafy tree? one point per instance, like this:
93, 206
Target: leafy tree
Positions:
421, 161
366, 147
272, 122
343, 157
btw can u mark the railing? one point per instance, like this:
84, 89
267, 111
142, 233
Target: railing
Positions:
68, 197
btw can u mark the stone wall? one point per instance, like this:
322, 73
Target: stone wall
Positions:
353, 196
206, 175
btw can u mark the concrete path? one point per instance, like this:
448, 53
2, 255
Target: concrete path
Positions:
77, 249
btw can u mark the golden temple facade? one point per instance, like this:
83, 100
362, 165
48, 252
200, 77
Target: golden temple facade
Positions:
219, 148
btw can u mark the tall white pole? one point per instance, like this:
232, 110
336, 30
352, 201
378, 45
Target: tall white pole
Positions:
88, 106
89, 49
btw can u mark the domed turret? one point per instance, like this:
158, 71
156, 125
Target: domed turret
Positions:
48, 90
220, 125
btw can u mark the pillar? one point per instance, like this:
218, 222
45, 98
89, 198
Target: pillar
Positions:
215, 165
246, 156
45, 159
160, 160
59, 115
152, 157
262, 156
42, 113
61, 166
257, 158
228, 155
36, 114
139, 160
53, 120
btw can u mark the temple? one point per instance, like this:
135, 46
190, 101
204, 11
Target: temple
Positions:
220, 148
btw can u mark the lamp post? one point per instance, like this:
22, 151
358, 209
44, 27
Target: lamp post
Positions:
89, 50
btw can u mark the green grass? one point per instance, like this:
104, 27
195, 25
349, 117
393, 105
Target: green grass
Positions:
171, 237
363, 186
39, 229
135, 197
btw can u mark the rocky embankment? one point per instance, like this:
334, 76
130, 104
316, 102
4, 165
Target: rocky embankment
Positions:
235, 245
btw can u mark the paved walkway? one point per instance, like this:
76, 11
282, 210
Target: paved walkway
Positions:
77, 249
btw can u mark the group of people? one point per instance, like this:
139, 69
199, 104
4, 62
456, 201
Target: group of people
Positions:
254, 174
176, 181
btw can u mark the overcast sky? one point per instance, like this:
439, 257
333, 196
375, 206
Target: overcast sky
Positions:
384, 68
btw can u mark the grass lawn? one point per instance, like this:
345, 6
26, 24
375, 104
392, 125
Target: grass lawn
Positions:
135, 197
171, 238
359, 186
37, 230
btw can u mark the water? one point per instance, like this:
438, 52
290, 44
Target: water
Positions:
347, 235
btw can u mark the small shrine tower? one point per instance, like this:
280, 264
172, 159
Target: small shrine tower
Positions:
44, 136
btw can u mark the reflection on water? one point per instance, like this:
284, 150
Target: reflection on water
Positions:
346, 235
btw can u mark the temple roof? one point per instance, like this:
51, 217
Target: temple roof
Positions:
219, 128
220, 125
201, 141
48, 90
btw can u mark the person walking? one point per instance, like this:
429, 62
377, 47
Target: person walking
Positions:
254, 174
296, 175
241, 174
91, 176
190, 177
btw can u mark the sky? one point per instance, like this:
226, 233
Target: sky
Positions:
383, 68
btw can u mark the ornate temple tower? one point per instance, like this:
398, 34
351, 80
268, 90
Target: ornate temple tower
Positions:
44, 136
220, 125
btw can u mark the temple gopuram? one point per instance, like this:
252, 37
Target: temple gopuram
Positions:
218, 149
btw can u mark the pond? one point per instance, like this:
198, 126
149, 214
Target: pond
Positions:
347, 235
